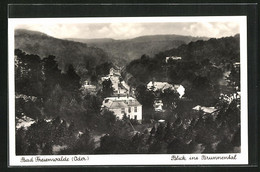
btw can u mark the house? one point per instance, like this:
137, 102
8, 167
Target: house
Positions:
206, 110
121, 106
173, 58
125, 86
114, 80
236, 65
154, 86
229, 98
114, 71
88, 88
24, 122
158, 105
119, 86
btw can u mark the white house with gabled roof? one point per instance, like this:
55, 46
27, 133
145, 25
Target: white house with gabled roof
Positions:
123, 105
154, 86
172, 58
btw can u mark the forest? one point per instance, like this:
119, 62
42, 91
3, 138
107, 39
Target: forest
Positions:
65, 120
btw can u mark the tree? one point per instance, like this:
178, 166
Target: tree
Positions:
84, 145
152, 132
20, 143
160, 132
113, 144
232, 115
30, 108
28, 76
157, 147
229, 114
169, 136
144, 59
234, 78
60, 133
37, 136
103, 69
146, 98
224, 146
169, 99
71, 80
202, 92
236, 140
47, 149
52, 105
25, 106
107, 89
52, 75
137, 144
178, 147
109, 119
206, 131
93, 103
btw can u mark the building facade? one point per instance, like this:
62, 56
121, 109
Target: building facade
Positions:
121, 106
154, 86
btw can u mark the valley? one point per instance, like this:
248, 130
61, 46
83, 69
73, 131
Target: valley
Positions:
147, 95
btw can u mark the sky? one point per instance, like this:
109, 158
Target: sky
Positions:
125, 30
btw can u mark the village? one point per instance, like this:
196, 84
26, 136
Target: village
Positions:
153, 93
123, 103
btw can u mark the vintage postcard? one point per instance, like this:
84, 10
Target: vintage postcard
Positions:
128, 91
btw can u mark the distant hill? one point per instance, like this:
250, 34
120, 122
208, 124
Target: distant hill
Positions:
197, 58
201, 70
217, 51
92, 41
122, 52
66, 52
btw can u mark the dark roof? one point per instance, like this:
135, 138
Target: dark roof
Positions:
122, 102
117, 105
134, 103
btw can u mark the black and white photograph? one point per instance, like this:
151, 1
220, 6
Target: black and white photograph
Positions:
130, 90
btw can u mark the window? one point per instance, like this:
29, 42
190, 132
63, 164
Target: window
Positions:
135, 117
135, 109
122, 110
129, 109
